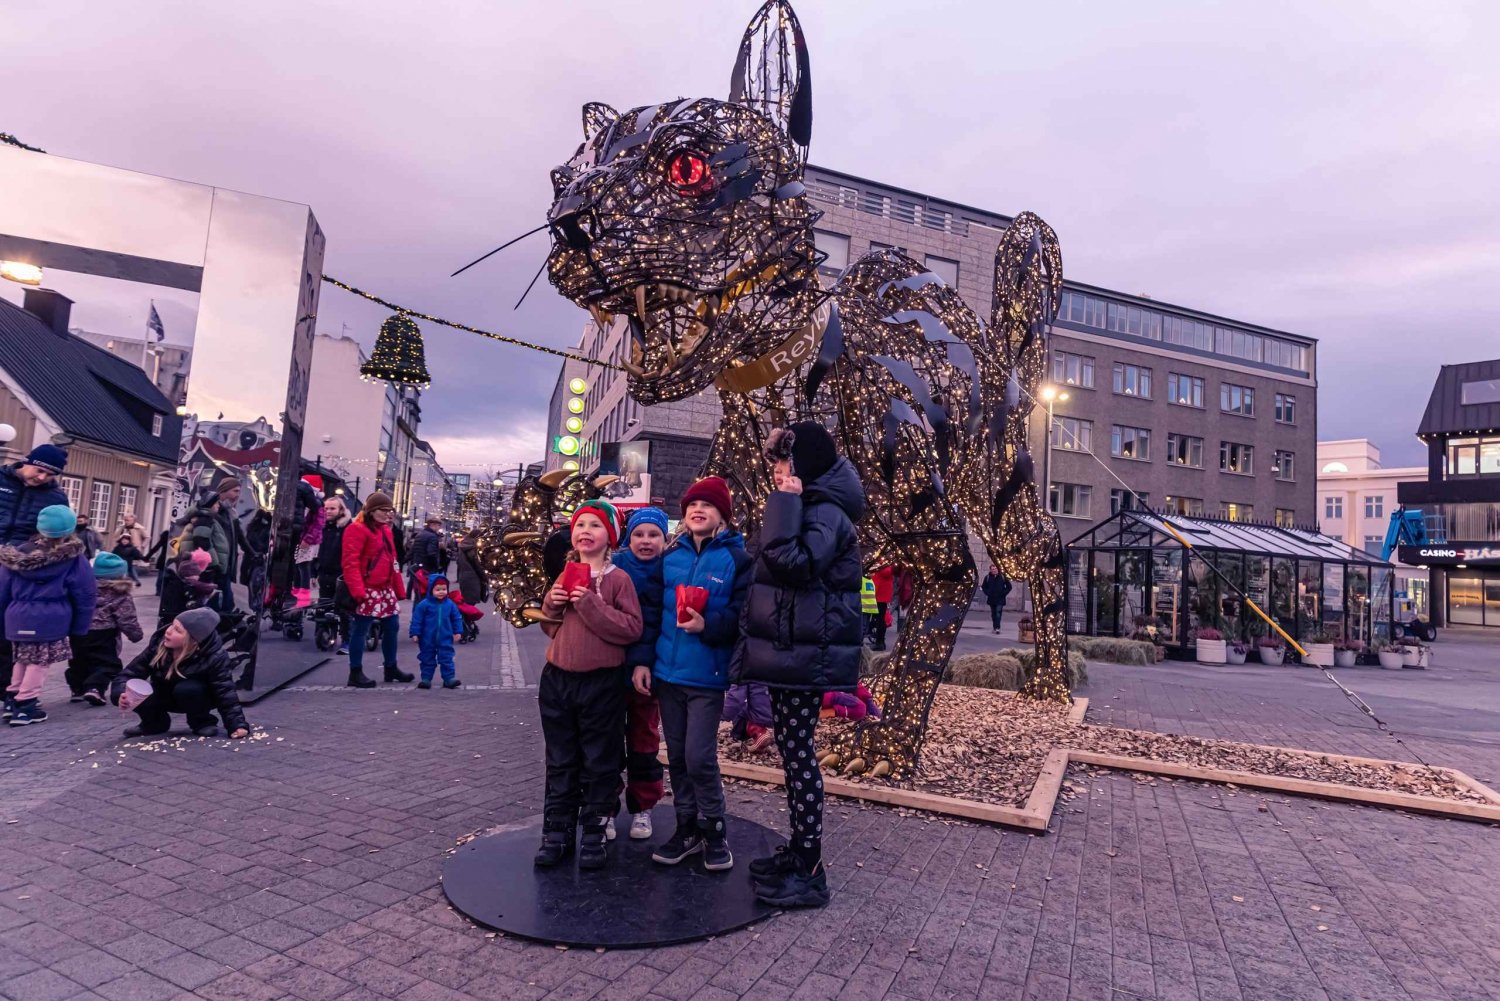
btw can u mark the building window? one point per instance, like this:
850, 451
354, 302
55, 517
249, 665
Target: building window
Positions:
1185, 450
836, 246
1184, 390
1333, 506
1236, 399
1071, 500
1236, 458
127, 500
1132, 380
1474, 456
1374, 505
1130, 443
1481, 391
1283, 465
73, 487
1286, 409
945, 269
1286, 518
1073, 434
1230, 511
1374, 544
99, 497
156, 425
1073, 370
1128, 500
1184, 505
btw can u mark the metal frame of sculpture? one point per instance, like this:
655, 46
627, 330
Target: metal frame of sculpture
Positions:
689, 221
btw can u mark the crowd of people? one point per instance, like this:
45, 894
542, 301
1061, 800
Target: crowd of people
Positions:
657, 632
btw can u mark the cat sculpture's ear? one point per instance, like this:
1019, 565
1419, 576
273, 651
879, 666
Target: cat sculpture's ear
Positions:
772, 73
597, 117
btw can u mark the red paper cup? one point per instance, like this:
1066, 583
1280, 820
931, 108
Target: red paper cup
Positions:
576, 575
690, 597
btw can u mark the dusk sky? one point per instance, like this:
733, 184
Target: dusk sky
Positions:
1326, 168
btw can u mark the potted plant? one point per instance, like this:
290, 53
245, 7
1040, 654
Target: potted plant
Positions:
1271, 650
1320, 650
1210, 646
1391, 656
1414, 655
1345, 652
1236, 652
1025, 631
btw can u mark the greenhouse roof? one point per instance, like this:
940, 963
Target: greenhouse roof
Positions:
1150, 530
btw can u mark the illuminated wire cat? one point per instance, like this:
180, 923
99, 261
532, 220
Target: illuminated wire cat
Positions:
688, 221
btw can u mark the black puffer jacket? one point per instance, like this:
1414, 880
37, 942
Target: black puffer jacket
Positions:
208, 664
801, 627
20, 504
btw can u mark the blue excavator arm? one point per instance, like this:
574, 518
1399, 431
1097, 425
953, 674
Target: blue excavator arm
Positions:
1407, 528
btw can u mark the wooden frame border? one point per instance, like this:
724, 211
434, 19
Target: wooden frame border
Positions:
1037, 813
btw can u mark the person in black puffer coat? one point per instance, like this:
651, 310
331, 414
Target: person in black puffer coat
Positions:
190, 673
802, 634
330, 562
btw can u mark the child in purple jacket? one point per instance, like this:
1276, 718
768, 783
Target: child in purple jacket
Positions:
47, 594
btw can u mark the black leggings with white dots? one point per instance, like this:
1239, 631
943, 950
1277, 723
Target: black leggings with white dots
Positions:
794, 717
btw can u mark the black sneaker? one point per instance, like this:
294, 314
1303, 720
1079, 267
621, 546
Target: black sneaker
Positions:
206, 730
716, 856
684, 841
773, 867
455, 683
95, 697
27, 713
593, 850
798, 888
76, 697
424, 685
556, 846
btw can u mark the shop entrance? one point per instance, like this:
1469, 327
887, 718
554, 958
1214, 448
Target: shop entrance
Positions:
1474, 601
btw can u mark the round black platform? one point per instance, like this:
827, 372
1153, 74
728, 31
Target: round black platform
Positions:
631, 903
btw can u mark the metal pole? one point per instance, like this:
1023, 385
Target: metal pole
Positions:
1047, 463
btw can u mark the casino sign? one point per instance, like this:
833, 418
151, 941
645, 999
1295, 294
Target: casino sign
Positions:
1447, 554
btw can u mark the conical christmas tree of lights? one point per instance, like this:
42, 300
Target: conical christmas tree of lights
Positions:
398, 357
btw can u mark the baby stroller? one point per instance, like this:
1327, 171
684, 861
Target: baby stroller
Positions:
240, 631
471, 613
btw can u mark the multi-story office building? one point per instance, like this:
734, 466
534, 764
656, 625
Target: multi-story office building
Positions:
1356, 498
1460, 495
1193, 412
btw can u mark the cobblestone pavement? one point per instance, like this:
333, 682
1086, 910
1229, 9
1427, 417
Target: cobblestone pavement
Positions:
304, 863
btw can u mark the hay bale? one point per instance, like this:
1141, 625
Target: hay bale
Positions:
1116, 651
871, 663
1078, 672
985, 670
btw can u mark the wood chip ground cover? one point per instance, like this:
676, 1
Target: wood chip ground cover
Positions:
989, 746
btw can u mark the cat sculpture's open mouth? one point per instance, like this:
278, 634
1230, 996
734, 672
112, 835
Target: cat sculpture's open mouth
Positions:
668, 323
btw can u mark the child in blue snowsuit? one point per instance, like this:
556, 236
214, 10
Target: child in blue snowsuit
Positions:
436, 623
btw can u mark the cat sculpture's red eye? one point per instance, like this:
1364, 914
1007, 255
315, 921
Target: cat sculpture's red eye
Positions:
689, 174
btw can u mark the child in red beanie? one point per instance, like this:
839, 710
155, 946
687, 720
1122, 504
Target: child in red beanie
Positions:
582, 702
704, 577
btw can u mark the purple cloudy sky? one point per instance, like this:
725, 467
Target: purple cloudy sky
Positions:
1324, 168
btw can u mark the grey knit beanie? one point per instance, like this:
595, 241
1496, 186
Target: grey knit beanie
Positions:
199, 623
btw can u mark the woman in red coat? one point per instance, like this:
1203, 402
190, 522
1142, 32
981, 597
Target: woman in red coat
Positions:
374, 582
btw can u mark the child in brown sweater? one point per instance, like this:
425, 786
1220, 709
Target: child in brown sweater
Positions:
581, 695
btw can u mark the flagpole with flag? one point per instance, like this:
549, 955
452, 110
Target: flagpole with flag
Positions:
154, 326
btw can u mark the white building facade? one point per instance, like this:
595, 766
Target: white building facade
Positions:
1356, 496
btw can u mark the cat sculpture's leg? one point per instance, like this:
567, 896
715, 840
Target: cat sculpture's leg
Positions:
905, 688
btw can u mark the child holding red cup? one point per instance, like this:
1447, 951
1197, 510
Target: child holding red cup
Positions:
704, 575
597, 616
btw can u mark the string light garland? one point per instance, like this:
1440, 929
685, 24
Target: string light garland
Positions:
502, 338
10, 140
690, 221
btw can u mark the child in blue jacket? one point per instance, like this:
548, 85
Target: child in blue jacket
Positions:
640, 556
691, 672
436, 623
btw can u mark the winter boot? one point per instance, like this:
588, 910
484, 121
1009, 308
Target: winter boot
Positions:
557, 845
394, 673
593, 850
357, 679
801, 887
716, 856
684, 841
773, 868
455, 683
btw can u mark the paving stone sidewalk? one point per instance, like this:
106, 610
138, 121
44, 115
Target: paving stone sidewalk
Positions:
305, 864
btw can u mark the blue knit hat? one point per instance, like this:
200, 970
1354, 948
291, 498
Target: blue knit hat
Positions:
645, 516
108, 566
48, 457
56, 521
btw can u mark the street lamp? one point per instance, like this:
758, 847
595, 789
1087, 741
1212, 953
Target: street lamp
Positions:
1052, 395
21, 272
